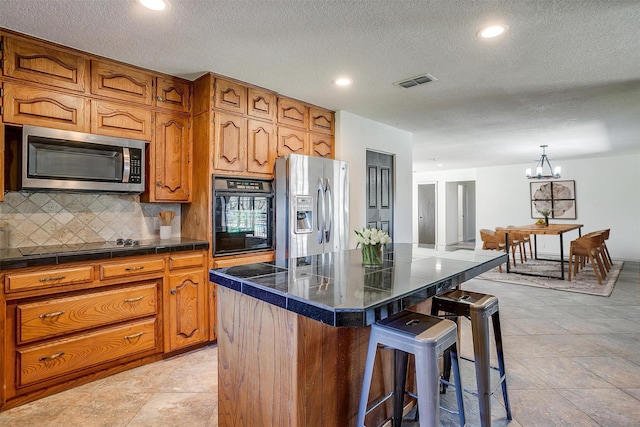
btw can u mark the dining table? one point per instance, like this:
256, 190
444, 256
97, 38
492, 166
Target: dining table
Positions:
542, 229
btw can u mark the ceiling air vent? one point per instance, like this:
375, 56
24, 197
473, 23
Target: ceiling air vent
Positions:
415, 81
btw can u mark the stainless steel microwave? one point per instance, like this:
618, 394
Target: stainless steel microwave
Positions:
54, 159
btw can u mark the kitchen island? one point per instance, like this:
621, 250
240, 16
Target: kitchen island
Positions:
293, 335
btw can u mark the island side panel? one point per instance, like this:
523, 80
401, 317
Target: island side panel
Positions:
257, 360
277, 368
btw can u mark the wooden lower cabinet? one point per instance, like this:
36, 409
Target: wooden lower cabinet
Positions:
59, 357
186, 314
97, 319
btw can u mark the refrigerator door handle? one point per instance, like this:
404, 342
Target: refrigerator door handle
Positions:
320, 212
328, 222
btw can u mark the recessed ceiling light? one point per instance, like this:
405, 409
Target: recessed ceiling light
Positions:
343, 81
439, 165
492, 31
155, 4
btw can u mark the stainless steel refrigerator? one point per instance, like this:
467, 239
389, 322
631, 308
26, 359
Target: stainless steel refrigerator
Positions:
312, 206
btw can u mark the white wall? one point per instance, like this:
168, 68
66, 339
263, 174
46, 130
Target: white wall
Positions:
440, 179
354, 135
607, 196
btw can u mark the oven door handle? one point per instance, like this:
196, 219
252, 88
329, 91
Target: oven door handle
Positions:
320, 212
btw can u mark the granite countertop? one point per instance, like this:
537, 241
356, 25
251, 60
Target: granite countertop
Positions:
334, 288
60, 254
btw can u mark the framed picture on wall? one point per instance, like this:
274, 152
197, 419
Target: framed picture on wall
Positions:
559, 197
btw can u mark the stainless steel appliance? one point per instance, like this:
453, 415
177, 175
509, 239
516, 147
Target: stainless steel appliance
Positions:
56, 159
242, 215
312, 206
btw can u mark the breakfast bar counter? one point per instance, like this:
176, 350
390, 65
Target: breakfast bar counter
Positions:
293, 335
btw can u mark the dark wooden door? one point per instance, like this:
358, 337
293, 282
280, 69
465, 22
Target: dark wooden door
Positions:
427, 213
380, 177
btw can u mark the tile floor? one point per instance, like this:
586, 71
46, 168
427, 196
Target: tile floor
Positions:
572, 360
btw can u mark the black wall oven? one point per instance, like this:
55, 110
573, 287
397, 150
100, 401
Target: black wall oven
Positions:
242, 215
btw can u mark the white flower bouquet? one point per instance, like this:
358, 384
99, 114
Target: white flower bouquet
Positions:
372, 240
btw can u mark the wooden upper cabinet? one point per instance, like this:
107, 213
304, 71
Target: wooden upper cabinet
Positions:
322, 145
292, 113
230, 96
40, 107
174, 94
126, 121
40, 63
171, 161
121, 82
321, 120
292, 141
230, 142
261, 147
262, 104
2, 167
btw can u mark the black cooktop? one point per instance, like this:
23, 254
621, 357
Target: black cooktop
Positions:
79, 247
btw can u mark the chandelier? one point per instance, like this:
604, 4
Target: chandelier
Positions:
544, 170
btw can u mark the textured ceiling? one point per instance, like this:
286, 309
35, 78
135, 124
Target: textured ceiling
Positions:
566, 74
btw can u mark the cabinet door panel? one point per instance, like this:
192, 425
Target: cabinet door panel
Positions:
126, 121
172, 158
187, 309
173, 94
292, 113
321, 120
292, 141
230, 142
322, 145
39, 107
261, 146
230, 96
38, 63
121, 82
262, 104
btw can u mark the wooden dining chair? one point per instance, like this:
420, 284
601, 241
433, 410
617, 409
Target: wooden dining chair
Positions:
583, 249
601, 236
514, 243
525, 239
490, 241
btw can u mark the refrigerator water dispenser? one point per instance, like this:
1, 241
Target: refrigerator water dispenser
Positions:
304, 214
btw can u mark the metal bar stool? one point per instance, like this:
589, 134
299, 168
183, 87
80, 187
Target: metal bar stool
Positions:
478, 308
425, 337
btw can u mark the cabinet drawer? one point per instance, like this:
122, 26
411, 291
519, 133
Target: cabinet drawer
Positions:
130, 268
63, 315
48, 278
41, 362
185, 261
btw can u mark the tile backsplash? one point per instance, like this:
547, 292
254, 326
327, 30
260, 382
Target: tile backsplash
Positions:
35, 219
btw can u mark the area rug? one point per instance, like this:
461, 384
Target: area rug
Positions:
584, 282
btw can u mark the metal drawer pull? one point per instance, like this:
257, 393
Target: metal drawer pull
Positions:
54, 314
140, 267
49, 279
129, 337
53, 356
133, 299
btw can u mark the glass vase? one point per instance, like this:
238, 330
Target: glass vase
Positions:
371, 255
